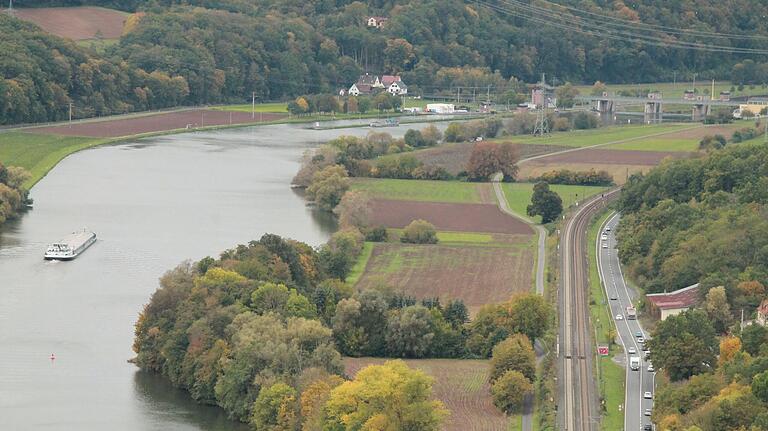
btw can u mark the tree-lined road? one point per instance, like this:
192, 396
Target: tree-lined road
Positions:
620, 297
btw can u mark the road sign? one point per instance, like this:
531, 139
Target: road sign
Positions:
602, 350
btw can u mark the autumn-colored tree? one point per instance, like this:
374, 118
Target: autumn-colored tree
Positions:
514, 353
489, 158
529, 314
275, 409
386, 397
419, 232
352, 105
509, 391
728, 348
313, 400
328, 186
354, 210
718, 309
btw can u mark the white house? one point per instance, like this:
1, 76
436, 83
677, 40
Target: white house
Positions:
394, 85
376, 21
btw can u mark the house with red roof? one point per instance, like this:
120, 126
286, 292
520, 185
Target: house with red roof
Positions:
663, 305
762, 312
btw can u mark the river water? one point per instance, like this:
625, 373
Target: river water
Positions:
153, 203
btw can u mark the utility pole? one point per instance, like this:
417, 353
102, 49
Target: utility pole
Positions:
694, 83
253, 105
70, 115
674, 79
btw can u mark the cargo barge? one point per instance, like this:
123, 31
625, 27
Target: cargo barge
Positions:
70, 246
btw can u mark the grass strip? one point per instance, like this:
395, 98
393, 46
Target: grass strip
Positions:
611, 376
419, 190
362, 261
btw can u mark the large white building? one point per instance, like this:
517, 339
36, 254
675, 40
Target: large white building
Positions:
441, 108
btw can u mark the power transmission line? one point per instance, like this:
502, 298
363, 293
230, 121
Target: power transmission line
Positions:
666, 29
550, 18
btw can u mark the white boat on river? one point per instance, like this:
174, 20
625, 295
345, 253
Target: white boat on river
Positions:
70, 246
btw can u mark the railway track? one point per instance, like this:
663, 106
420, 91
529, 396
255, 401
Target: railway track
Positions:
577, 383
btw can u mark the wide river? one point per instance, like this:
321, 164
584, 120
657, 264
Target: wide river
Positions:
153, 204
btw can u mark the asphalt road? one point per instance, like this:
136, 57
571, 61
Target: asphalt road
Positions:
620, 296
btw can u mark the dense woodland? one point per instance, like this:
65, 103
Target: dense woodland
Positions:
212, 51
705, 220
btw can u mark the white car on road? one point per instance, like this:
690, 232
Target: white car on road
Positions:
650, 368
647, 395
619, 317
632, 350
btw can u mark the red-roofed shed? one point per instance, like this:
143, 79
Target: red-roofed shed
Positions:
663, 305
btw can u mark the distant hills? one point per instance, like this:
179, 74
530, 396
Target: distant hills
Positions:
223, 50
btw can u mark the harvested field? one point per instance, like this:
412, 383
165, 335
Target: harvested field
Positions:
155, 123
698, 133
454, 157
607, 157
461, 384
76, 23
476, 273
447, 216
618, 172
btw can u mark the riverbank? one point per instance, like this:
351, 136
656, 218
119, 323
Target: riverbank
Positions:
40, 148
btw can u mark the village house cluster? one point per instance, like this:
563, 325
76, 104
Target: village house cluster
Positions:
372, 84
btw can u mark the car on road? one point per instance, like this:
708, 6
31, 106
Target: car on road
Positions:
639, 334
647, 412
619, 317
631, 350
604, 237
608, 229
605, 245
613, 296
647, 427
641, 340
647, 355
648, 395
650, 368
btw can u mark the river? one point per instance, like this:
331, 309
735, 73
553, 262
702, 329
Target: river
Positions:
153, 203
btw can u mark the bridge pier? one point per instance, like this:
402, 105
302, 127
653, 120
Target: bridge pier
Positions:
700, 111
604, 106
653, 111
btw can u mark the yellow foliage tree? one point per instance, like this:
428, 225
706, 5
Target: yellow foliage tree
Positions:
670, 423
386, 397
132, 22
729, 346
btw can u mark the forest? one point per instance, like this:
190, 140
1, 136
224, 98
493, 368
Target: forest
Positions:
214, 51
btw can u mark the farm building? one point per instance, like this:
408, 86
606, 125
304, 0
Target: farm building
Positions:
663, 305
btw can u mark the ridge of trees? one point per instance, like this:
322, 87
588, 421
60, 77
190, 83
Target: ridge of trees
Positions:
214, 51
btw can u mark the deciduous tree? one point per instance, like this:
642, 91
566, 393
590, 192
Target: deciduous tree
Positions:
509, 391
386, 397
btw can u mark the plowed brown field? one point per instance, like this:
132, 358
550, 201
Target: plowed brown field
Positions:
447, 216
461, 384
608, 157
76, 23
477, 274
161, 122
